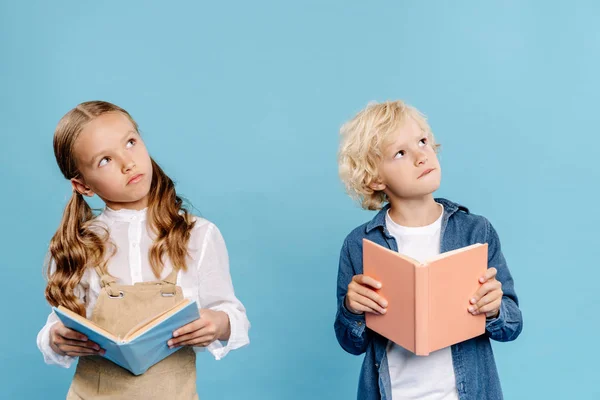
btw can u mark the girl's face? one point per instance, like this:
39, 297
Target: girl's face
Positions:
113, 162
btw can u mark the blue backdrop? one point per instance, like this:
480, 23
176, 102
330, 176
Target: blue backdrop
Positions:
241, 103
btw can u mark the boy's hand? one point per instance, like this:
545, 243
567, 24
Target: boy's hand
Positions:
67, 342
211, 325
489, 296
361, 298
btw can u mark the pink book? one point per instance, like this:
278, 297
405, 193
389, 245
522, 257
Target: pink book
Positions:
427, 302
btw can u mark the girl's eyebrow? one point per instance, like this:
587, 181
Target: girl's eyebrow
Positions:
98, 154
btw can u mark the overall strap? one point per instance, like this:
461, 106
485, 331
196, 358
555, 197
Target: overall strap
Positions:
169, 283
106, 281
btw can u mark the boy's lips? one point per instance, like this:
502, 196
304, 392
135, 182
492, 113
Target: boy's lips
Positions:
136, 178
428, 170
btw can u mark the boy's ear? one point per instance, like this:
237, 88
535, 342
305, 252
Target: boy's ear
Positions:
80, 186
377, 185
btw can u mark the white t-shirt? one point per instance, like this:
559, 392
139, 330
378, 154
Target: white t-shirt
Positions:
420, 377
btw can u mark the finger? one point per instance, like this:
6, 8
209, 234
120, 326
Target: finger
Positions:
367, 280
87, 344
71, 334
489, 274
487, 299
365, 304
71, 350
189, 336
75, 343
78, 354
484, 290
191, 327
199, 342
370, 294
208, 329
56, 349
204, 340
493, 306
364, 309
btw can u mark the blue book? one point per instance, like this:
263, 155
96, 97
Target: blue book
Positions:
144, 345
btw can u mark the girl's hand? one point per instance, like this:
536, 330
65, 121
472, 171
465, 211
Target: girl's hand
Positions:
361, 298
211, 325
67, 342
489, 296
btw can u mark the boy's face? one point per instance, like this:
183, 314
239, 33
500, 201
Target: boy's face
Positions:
113, 162
409, 168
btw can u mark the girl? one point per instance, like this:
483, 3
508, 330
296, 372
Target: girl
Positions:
140, 255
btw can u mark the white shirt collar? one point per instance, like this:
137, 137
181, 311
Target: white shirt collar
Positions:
125, 214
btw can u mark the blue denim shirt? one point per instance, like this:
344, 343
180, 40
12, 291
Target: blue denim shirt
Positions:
473, 360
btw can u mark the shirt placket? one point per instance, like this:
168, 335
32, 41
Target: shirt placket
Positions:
135, 259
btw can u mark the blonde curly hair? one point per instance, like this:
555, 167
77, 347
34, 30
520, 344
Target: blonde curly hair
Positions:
364, 138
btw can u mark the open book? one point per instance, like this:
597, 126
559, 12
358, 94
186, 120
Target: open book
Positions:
144, 345
427, 302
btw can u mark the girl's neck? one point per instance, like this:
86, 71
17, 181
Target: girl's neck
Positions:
415, 212
133, 205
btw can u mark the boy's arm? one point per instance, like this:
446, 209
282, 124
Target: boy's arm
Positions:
350, 328
508, 324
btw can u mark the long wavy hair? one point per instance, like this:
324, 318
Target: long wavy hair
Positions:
80, 243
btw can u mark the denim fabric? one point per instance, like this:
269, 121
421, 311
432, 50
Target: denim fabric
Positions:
473, 360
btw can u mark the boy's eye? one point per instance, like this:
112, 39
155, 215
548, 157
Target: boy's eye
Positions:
399, 154
423, 142
132, 141
102, 163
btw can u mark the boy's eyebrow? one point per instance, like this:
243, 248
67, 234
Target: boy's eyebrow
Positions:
98, 154
402, 142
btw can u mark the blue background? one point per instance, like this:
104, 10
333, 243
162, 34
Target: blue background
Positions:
241, 103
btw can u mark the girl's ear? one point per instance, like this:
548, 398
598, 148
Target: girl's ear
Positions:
80, 187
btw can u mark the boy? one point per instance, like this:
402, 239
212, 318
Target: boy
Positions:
388, 155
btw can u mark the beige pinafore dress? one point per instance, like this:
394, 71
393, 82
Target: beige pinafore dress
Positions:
118, 309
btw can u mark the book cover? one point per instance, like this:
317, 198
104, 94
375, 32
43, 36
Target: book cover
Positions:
427, 302
144, 345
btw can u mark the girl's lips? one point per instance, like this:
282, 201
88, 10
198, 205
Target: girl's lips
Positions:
135, 178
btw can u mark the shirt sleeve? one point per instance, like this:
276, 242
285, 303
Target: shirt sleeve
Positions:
216, 293
350, 329
43, 337
508, 325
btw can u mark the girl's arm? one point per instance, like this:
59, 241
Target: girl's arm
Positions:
216, 292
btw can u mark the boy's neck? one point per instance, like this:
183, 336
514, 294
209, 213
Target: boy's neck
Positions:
415, 212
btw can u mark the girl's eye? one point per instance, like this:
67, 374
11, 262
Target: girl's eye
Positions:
423, 142
399, 154
132, 142
102, 163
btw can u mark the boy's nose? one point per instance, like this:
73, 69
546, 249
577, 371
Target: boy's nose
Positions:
420, 159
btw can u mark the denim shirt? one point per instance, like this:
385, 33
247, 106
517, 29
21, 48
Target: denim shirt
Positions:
473, 360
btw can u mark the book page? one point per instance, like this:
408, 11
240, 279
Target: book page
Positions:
153, 321
88, 323
451, 253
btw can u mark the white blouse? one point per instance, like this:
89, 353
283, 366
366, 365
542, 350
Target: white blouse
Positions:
207, 279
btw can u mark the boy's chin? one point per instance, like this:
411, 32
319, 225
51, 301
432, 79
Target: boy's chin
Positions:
426, 190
